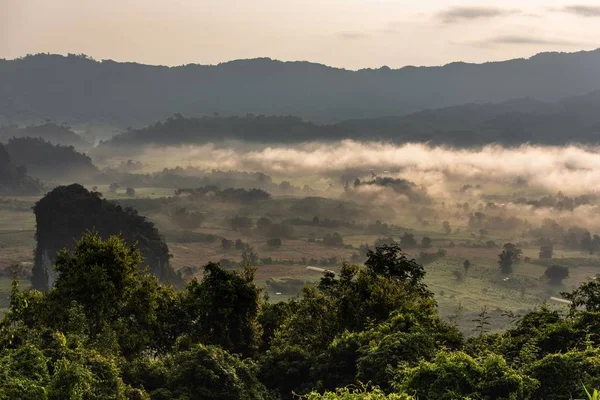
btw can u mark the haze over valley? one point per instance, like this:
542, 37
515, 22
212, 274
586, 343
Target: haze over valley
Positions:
266, 229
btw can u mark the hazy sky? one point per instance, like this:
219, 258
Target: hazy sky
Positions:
346, 33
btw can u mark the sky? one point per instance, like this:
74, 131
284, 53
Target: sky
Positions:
352, 34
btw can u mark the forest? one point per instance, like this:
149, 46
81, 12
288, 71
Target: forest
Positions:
108, 329
289, 274
510, 123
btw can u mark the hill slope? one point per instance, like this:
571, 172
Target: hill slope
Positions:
51, 162
79, 89
514, 122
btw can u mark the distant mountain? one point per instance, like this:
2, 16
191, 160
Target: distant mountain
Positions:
574, 119
78, 89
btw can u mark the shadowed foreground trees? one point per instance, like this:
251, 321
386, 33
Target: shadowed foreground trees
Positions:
109, 330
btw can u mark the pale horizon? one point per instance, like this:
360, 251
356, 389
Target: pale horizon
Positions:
349, 34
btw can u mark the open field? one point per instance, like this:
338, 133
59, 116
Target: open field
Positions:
460, 294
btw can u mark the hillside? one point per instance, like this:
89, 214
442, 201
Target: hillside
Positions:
79, 89
50, 162
14, 179
574, 119
51, 132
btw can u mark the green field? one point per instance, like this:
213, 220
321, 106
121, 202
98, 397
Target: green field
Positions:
459, 294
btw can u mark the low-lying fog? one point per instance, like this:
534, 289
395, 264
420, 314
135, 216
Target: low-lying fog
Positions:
502, 181
571, 169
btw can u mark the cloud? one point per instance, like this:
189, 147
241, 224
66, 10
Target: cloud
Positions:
523, 40
352, 35
582, 10
572, 169
457, 14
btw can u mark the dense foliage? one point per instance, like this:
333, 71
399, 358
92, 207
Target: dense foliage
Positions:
108, 330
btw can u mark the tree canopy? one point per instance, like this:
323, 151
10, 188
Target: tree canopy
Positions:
109, 330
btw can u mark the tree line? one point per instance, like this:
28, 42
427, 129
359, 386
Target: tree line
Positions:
107, 329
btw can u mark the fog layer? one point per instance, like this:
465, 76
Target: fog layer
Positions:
571, 169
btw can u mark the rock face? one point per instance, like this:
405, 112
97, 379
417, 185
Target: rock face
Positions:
67, 212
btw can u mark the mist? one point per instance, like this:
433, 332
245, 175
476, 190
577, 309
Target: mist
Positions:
571, 169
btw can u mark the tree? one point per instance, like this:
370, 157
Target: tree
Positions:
226, 244
334, 239
130, 192
546, 251
264, 224
274, 242
113, 187
426, 242
187, 219
241, 223
100, 276
587, 243
482, 321
391, 262
350, 393
197, 371
224, 309
509, 256
446, 227
555, 274
356, 297
565, 376
490, 244
458, 375
408, 240
596, 242
587, 295
239, 245
467, 266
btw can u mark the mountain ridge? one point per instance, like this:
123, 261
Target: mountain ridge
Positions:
78, 89
569, 120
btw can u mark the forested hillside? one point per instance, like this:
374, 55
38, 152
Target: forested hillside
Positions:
51, 162
49, 131
573, 119
80, 89
14, 179
108, 330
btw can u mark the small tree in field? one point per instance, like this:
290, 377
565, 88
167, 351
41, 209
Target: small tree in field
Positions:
274, 242
555, 274
546, 252
467, 265
426, 242
446, 227
509, 256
